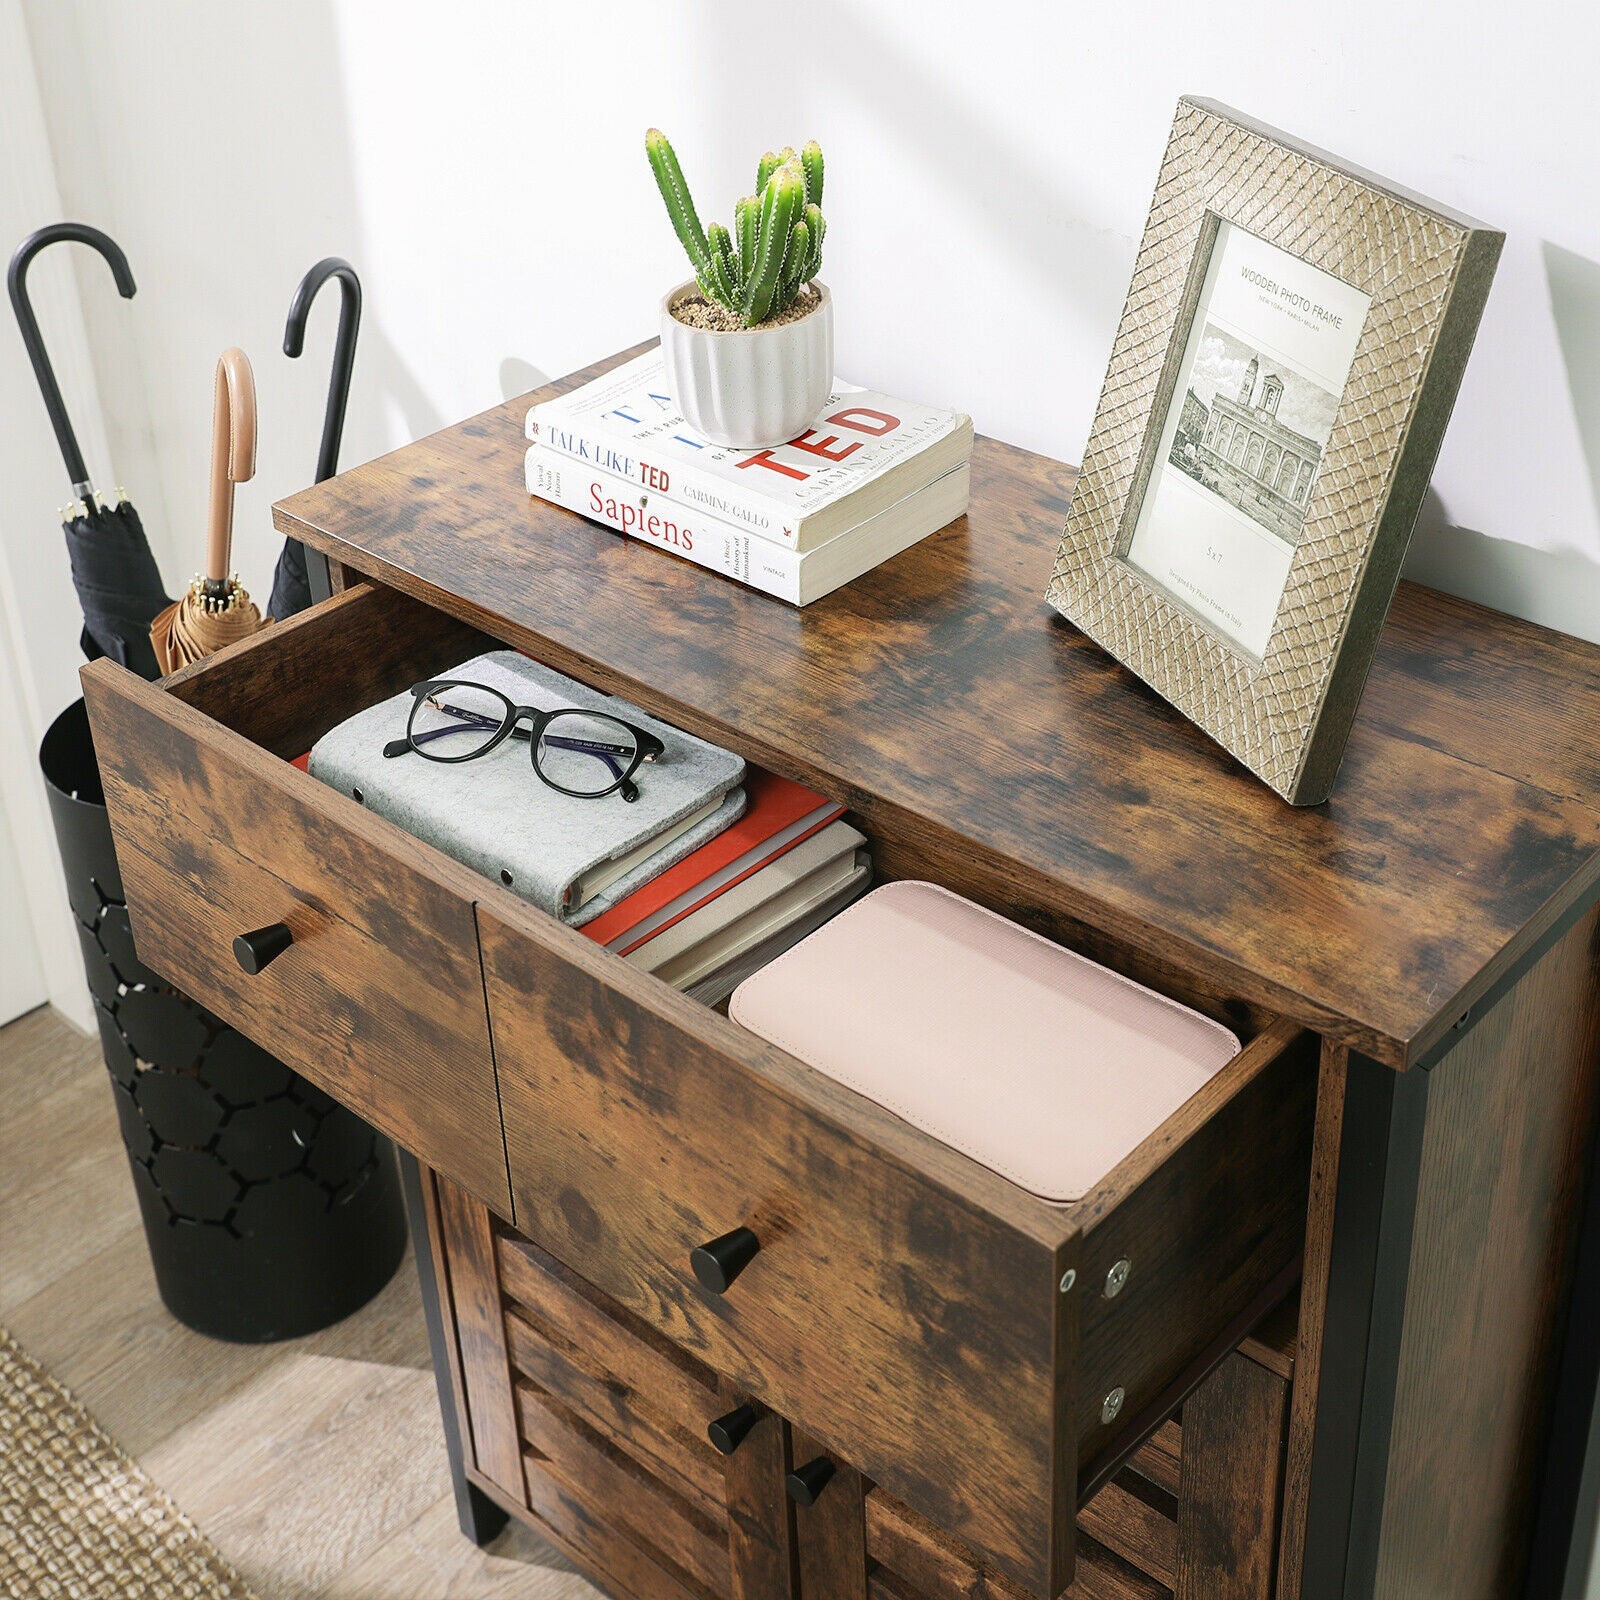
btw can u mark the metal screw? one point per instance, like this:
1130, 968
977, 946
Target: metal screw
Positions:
1111, 1405
1068, 1278
1116, 1277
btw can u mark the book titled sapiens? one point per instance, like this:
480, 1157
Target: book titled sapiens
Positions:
798, 576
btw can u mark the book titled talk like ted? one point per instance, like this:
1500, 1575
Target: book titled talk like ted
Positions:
860, 484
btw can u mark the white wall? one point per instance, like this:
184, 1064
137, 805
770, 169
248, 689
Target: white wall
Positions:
21, 977
990, 170
39, 618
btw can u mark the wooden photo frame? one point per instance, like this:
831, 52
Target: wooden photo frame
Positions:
1293, 339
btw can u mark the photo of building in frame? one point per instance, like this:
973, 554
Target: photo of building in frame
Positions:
1238, 448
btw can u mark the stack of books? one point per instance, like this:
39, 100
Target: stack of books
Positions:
868, 479
714, 869
484, 804
743, 898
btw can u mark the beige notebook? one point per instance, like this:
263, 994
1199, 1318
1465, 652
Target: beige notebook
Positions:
751, 909
1035, 1061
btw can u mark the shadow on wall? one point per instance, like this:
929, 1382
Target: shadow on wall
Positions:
1561, 587
519, 377
218, 151
1002, 197
1005, 182
393, 381
1575, 304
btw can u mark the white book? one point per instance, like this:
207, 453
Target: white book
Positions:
863, 454
729, 548
597, 878
758, 910
761, 893
713, 987
715, 883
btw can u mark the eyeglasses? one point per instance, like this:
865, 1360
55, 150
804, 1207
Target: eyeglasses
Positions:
582, 753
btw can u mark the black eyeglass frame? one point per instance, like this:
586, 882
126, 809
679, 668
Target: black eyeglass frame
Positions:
646, 746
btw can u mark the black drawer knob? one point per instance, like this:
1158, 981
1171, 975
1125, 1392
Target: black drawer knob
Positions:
806, 1483
259, 949
728, 1433
717, 1264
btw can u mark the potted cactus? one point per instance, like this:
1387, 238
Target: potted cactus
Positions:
748, 341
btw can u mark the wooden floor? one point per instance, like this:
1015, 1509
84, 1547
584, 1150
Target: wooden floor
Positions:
317, 1466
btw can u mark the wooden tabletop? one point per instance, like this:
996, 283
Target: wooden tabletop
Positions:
1464, 828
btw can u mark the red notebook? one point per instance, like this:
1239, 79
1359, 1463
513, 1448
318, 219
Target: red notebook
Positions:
778, 815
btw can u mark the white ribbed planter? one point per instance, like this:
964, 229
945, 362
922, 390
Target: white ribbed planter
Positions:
754, 387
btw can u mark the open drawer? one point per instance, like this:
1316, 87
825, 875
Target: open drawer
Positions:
378, 999
986, 1357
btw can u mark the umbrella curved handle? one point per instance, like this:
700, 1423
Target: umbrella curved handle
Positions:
17, 285
233, 454
344, 348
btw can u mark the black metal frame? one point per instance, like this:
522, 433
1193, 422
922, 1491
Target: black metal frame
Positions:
1380, 1167
481, 1519
1380, 1162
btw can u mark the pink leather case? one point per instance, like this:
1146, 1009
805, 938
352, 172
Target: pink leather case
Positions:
1033, 1060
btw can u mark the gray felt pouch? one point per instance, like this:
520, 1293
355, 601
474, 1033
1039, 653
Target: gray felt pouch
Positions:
494, 814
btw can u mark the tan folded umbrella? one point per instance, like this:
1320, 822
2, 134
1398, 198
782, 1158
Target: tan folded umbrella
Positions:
217, 610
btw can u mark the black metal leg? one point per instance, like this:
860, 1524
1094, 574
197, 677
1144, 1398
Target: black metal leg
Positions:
1569, 1503
317, 575
1384, 1115
480, 1518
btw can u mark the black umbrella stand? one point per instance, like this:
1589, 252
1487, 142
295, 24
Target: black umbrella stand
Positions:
269, 1209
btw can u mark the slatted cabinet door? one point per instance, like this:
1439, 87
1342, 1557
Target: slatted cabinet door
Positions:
595, 1427
1193, 1515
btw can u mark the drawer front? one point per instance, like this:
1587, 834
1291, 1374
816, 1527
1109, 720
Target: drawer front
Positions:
379, 997
902, 1304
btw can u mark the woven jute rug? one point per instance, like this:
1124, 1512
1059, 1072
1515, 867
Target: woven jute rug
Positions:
79, 1520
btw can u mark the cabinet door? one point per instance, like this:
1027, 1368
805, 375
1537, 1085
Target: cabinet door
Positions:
1194, 1514
601, 1429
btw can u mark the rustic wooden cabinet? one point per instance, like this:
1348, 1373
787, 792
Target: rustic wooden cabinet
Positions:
585, 1416
933, 1392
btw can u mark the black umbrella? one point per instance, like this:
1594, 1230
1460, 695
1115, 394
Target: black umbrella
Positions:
301, 576
118, 583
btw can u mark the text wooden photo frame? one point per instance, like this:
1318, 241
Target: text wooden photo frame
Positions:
1425, 271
